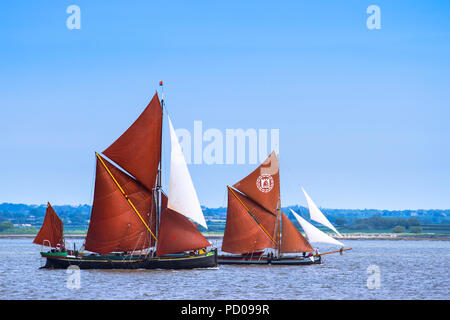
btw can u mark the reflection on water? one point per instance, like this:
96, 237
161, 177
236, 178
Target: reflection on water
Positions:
408, 270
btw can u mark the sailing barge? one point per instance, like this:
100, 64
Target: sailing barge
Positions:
257, 231
134, 224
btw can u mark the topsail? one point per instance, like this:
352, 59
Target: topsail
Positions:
138, 149
182, 195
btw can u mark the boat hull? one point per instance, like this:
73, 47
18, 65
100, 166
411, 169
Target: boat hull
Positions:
181, 261
266, 260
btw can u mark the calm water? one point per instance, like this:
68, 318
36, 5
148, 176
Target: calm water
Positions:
408, 270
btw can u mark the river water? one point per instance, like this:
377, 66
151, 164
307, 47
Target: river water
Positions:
374, 269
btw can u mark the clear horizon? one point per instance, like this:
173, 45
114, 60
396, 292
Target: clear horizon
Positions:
362, 114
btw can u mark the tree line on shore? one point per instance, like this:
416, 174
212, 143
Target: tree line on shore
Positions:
77, 218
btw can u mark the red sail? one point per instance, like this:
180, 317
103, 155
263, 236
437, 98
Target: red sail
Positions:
51, 233
291, 239
114, 225
242, 233
263, 184
138, 150
177, 233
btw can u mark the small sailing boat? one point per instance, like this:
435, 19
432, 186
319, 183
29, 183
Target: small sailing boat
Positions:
313, 234
134, 224
256, 230
51, 232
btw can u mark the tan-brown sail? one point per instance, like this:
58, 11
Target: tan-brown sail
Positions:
242, 233
114, 225
138, 149
291, 239
51, 232
177, 233
263, 184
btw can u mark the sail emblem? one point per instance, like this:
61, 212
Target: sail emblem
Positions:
265, 183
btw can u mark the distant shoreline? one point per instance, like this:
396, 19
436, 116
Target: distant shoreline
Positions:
378, 236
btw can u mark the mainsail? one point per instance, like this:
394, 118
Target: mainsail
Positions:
177, 233
246, 225
313, 234
317, 215
182, 195
51, 232
114, 225
138, 149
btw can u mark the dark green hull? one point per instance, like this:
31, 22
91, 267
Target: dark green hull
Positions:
261, 260
95, 261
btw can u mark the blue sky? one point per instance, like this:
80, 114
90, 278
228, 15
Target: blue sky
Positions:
363, 114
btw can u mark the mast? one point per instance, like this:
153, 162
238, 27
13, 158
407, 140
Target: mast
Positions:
279, 228
279, 215
158, 179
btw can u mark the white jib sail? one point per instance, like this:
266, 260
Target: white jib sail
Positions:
182, 195
317, 215
313, 234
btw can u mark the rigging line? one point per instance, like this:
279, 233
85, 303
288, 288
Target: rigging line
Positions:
157, 189
125, 195
154, 214
162, 125
163, 159
166, 155
134, 249
254, 218
91, 197
279, 222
